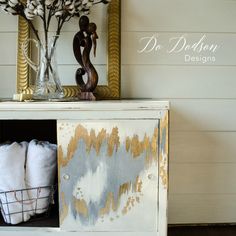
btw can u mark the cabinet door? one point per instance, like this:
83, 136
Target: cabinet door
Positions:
108, 175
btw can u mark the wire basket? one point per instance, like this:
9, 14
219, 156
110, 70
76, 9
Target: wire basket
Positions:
20, 205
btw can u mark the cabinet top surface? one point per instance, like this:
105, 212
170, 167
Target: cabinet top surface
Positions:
87, 105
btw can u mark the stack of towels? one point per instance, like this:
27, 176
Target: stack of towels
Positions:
26, 165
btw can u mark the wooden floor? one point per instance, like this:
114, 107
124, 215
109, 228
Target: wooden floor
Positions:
202, 231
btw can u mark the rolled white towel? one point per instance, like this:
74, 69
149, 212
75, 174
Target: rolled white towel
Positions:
12, 177
40, 171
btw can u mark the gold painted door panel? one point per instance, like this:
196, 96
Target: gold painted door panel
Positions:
108, 175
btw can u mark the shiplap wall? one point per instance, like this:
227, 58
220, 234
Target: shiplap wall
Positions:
202, 96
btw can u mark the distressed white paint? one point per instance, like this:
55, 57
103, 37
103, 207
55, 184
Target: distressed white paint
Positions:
50, 232
115, 105
154, 196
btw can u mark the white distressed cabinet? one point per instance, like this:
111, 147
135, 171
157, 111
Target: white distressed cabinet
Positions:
112, 166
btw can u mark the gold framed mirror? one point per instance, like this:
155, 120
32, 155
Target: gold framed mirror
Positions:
110, 90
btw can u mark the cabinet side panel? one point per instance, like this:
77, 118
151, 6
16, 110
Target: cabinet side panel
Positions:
163, 172
108, 173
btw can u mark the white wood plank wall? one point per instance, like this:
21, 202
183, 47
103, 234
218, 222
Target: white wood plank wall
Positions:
202, 95
8, 42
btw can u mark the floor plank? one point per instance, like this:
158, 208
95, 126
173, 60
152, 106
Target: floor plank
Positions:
202, 231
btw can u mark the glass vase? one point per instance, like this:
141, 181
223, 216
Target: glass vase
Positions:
47, 83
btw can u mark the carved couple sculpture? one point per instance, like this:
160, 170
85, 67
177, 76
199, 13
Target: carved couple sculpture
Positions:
82, 45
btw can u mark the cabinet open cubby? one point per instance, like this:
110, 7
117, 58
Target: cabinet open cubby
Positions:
26, 130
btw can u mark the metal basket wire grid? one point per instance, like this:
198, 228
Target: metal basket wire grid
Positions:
26, 203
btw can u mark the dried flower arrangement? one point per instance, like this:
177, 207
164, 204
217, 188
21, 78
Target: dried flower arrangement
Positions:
62, 10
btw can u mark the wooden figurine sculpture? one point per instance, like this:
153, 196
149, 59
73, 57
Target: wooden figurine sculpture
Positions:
82, 45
